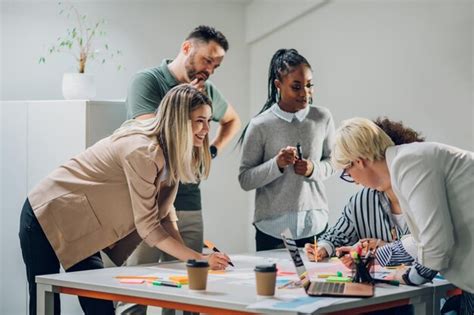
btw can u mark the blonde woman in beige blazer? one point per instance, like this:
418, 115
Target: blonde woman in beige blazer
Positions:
117, 193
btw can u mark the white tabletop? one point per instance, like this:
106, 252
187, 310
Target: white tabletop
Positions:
234, 291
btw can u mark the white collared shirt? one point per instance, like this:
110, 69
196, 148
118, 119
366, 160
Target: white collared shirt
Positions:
286, 116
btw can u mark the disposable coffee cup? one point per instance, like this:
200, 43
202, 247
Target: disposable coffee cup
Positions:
265, 276
197, 274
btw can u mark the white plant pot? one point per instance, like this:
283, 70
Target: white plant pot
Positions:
78, 86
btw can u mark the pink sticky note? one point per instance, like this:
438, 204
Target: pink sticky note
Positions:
132, 281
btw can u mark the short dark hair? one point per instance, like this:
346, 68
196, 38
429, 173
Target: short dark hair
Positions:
208, 33
398, 132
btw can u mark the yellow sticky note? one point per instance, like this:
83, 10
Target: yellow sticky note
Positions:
179, 279
216, 272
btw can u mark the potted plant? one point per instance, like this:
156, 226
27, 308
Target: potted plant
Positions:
82, 42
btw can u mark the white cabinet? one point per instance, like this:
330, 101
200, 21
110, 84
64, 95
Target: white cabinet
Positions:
36, 137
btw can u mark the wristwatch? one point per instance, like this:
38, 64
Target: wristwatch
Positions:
406, 277
213, 150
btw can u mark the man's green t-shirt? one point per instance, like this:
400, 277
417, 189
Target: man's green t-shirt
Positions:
144, 95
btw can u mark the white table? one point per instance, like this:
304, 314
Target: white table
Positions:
223, 296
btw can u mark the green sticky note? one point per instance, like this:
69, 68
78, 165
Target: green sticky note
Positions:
338, 279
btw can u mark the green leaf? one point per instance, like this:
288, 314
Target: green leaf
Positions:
106, 46
41, 60
103, 61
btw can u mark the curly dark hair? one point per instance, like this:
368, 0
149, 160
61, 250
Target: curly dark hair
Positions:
208, 33
398, 132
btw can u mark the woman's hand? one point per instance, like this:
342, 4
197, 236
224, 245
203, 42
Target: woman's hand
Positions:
397, 275
217, 261
344, 254
285, 157
370, 244
304, 167
315, 255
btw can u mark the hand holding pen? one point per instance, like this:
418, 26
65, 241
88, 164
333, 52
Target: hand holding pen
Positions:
370, 244
343, 253
315, 253
302, 167
221, 259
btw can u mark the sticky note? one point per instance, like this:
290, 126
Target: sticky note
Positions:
179, 279
132, 281
216, 272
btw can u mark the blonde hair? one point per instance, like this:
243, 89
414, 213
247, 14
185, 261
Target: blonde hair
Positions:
359, 138
173, 129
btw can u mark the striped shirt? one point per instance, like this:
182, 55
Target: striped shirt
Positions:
395, 254
367, 215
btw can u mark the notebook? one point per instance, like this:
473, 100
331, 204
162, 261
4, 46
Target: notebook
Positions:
317, 288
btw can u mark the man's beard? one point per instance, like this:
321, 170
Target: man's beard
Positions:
191, 72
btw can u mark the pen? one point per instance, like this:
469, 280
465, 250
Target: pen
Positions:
300, 151
211, 245
315, 249
167, 284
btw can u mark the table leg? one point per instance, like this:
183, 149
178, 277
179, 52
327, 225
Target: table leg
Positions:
423, 304
44, 299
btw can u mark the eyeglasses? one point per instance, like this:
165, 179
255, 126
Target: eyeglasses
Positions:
345, 176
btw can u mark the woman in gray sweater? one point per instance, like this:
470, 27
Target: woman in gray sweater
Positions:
285, 155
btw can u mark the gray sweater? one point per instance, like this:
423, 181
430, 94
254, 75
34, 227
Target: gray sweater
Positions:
282, 193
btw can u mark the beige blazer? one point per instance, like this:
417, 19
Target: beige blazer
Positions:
104, 195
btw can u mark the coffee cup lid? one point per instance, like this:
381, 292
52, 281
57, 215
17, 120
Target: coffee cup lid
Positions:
266, 268
197, 263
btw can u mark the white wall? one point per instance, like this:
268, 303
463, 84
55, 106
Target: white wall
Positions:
408, 60
146, 32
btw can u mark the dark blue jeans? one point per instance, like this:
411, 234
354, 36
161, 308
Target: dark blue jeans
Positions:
40, 259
